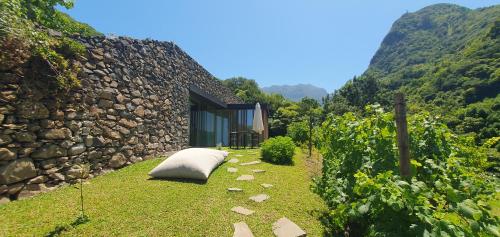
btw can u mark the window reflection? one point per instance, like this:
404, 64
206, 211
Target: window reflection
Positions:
210, 126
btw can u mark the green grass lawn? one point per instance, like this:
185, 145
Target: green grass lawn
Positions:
127, 202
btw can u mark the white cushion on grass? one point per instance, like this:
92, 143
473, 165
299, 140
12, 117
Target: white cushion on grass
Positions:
192, 163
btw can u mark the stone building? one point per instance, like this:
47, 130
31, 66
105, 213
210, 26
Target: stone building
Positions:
138, 99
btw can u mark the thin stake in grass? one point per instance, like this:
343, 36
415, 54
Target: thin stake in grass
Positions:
82, 218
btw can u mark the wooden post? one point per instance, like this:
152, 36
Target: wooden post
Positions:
310, 134
402, 135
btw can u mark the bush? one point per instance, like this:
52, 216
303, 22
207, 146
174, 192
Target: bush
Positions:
278, 150
447, 194
24, 37
299, 132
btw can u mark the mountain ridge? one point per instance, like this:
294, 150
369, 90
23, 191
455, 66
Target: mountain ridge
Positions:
446, 59
298, 91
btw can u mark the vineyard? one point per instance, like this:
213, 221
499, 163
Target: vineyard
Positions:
447, 193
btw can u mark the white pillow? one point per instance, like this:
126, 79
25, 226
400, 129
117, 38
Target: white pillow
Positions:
192, 163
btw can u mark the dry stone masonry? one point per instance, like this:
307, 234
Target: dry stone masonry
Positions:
133, 104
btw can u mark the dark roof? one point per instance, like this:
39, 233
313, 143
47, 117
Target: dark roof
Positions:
203, 96
200, 95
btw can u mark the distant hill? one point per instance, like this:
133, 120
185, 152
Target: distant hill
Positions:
446, 59
297, 92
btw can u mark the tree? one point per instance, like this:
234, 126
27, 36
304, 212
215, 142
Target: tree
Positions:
246, 89
287, 113
310, 109
281, 110
44, 11
299, 132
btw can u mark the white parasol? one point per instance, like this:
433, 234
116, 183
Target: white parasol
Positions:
258, 124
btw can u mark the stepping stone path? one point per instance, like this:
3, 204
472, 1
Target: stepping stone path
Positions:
266, 185
245, 177
286, 228
241, 229
242, 211
235, 190
259, 198
251, 163
234, 160
281, 228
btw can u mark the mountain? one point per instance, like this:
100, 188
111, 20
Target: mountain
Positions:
297, 92
446, 59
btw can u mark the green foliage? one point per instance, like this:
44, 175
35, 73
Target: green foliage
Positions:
248, 90
45, 14
281, 111
445, 59
299, 132
309, 107
278, 150
52, 58
310, 111
447, 194
282, 117
68, 25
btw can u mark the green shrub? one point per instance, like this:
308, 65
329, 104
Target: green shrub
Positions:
278, 150
299, 132
52, 58
447, 194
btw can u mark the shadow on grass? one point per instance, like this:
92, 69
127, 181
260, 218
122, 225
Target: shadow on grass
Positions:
62, 228
351, 229
324, 218
289, 163
181, 180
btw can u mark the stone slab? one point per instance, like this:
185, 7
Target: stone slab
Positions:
242, 211
239, 155
258, 171
17, 170
251, 163
241, 229
245, 177
266, 185
234, 160
286, 228
4, 200
234, 189
259, 197
232, 170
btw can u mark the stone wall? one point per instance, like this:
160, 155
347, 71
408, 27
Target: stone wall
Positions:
133, 104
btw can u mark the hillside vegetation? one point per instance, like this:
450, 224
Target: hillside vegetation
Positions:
35, 34
446, 59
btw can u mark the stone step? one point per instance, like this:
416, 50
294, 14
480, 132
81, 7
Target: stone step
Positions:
245, 177
242, 210
251, 163
241, 229
232, 170
258, 171
234, 160
286, 228
259, 197
266, 185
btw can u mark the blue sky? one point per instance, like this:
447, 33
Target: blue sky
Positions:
320, 42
